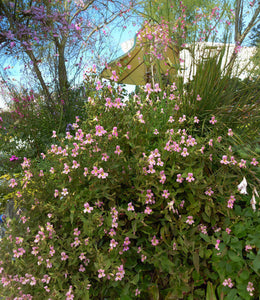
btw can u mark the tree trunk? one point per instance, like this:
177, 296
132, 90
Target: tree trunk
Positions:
39, 75
62, 73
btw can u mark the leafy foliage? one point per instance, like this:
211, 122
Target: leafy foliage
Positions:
137, 200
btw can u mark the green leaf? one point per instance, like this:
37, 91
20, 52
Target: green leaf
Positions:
154, 292
86, 295
125, 297
256, 263
234, 256
244, 275
210, 292
205, 237
135, 279
208, 210
196, 261
72, 215
232, 295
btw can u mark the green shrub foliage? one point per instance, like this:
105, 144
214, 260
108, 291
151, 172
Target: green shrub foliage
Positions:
136, 201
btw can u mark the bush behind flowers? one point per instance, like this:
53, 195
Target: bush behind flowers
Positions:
135, 202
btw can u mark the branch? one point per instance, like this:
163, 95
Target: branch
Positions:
97, 28
82, 9
251, 24
237, 15
239, 39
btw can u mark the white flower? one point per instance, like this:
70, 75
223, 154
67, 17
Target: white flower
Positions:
253, 202
255, 192
242, 186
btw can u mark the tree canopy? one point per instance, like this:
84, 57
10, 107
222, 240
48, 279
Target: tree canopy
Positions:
58, 34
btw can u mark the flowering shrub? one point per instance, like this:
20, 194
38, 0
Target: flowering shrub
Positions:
138, 200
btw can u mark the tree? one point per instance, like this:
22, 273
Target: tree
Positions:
255, 41
255, 36
177, 25
60, 31
246, 15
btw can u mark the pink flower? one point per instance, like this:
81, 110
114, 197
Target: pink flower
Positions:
75, 164
213, 120
114, 76
130, 207
82, 268
64, 192
231, 202
148, 89
254, 162
203, 228
66, 169
88, 208
76, 232
198, 98
99, 86
120, 274
100, 130
217, 245
56, 193
185, 152
13, 157
13, 183
94, 171
49, 264
242, 163
113, 244
154, 241
248, 248
171, 120
148, 210
85, 172
190, 177
102, 174
209, 192
182, 119
224, 160
82, 256
172, 97
230, 132
165, 194
101, 273
228, 282
118, 150
179, 178
114, 131
157, 88
196, 120
143, 257
190, 220
228, 230
109, 103
250, 288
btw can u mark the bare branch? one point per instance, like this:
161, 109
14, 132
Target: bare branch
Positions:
251, 24
97, 28
82, 9
239, 36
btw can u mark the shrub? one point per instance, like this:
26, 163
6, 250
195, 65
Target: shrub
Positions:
135, 201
